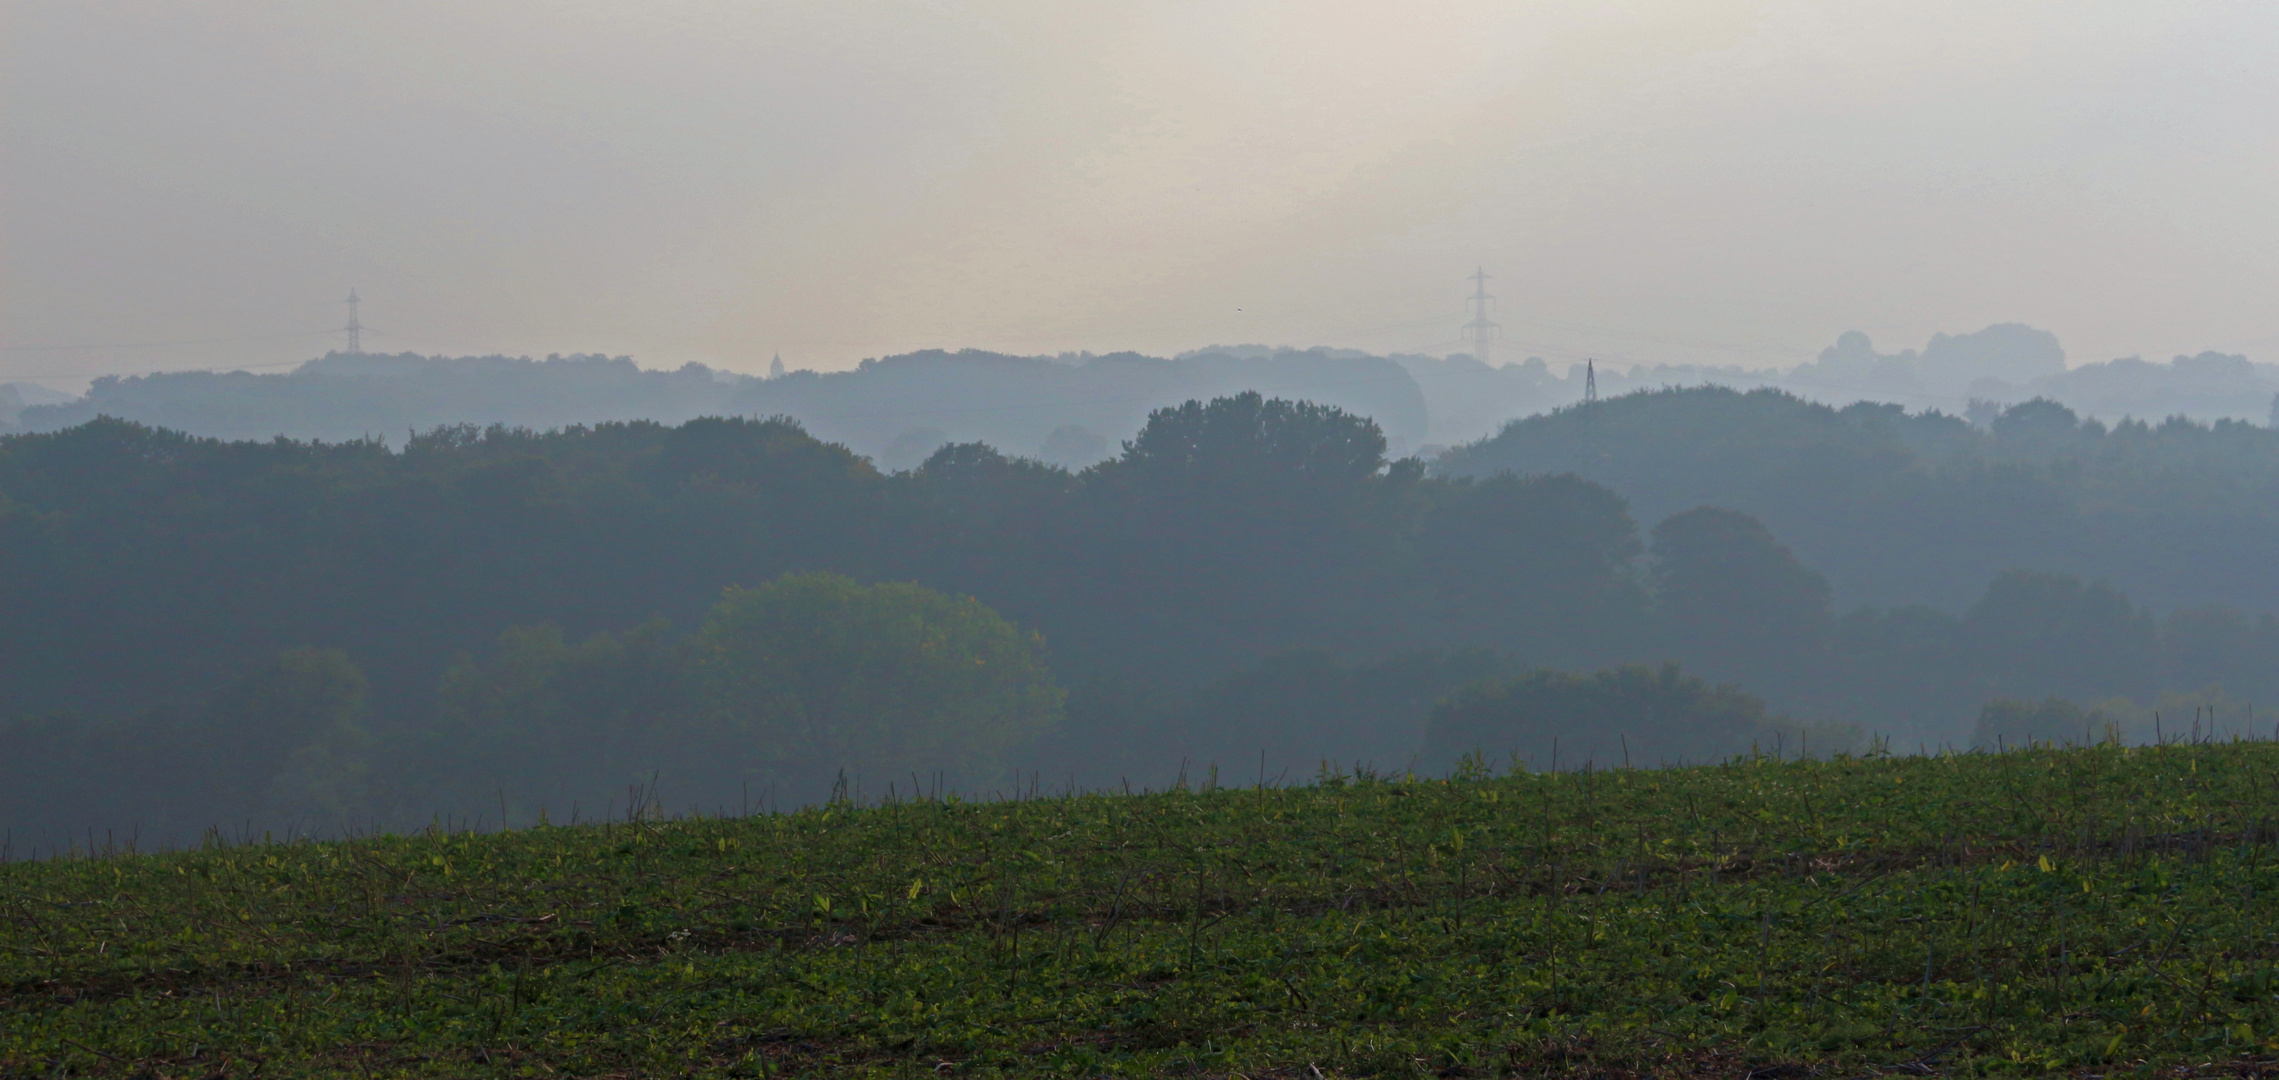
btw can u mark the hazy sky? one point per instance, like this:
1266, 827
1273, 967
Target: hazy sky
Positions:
722, 180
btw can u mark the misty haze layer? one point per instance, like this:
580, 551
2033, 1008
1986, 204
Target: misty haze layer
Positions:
200, 186
1584, 376
1073, 410
1070, 411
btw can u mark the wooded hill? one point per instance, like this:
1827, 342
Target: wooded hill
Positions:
1251, 584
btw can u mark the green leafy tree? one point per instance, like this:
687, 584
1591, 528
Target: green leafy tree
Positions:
814, 673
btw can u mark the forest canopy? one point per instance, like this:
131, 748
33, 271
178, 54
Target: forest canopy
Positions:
1901, 508
1252, 582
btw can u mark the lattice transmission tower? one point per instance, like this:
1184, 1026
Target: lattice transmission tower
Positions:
355, 328
1481, 331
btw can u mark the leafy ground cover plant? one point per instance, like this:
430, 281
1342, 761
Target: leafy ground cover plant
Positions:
2096, 910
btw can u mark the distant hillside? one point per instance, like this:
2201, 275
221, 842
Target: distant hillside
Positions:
15, 397
342, 396
902, 408
195, 631
1917, 508
1074, 410
2007, 364
897, 410
1973, 375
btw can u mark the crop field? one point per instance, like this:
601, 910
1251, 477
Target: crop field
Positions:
2098, 911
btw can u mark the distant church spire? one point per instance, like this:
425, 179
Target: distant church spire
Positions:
775, 368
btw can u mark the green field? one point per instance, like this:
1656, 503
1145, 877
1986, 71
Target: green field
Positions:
2093, 911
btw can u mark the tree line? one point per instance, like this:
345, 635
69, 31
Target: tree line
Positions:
1902, 508
501, 621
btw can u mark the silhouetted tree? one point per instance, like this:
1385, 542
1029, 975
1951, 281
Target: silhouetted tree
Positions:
2041, 634
1736, 600
1267, 519
1541, 565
